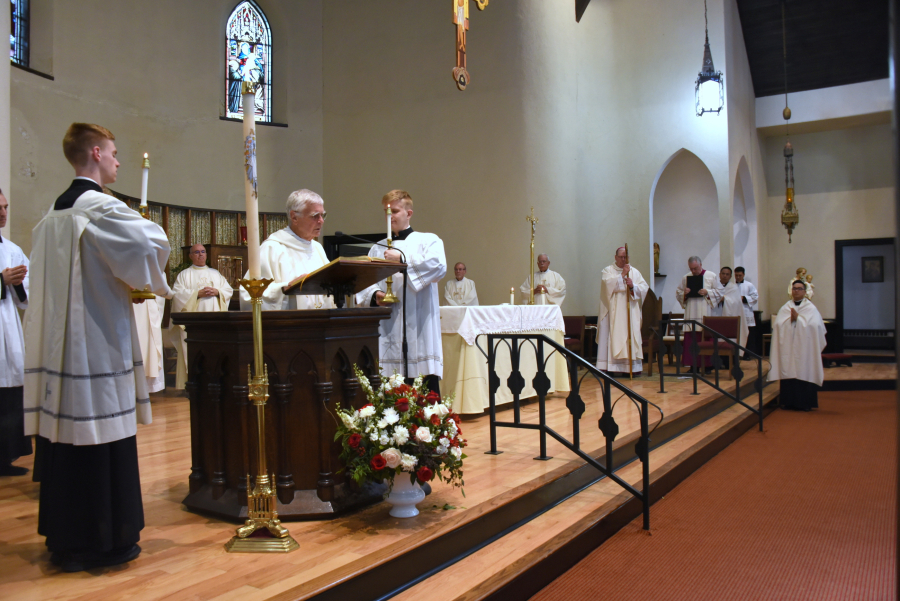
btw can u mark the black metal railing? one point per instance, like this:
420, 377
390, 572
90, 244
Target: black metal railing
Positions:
734, 350
541, 383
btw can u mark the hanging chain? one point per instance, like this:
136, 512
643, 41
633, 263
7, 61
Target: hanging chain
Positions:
784, 55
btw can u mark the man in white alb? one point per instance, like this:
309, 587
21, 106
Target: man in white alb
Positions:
549, 286
426, 266
695, 307
725, 301
749, 297
293, 252
197, 288
460, 291
622, 290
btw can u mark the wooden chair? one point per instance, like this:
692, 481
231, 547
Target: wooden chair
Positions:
651, 315
574, 336
669, 337
726, 326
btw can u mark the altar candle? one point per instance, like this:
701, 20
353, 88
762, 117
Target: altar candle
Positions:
145, 177
512, 296
387, 210
249, 106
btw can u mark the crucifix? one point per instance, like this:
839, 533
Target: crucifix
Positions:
461, 20
533, 221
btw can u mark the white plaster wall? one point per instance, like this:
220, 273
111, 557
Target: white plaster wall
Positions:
157, 83
5, 25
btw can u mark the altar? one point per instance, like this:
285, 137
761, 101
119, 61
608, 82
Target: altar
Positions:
465, 364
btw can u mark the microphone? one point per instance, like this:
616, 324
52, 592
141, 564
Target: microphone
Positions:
343, 235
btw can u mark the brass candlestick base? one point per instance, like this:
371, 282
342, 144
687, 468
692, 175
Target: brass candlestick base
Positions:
144, 210
144, 294
389, 297
261, 500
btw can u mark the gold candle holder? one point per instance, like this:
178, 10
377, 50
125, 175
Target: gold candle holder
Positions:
261, 500
389, 297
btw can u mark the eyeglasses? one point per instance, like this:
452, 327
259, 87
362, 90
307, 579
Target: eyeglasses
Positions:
316, 216
198, 252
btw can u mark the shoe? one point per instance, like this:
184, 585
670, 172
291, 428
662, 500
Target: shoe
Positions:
13, 470
80, 562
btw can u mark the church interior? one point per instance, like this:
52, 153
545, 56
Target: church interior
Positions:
583, 110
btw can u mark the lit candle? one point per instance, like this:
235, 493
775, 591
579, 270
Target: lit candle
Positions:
387, 210
145, 177
512, 296
248, 91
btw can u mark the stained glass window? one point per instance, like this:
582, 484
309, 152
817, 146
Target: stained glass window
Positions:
248, 58
18, 35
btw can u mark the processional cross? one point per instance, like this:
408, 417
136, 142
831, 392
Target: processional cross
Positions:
461, 20
534, 221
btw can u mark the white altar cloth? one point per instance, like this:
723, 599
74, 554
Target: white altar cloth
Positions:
465, 367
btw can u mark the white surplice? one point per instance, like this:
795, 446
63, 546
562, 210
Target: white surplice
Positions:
148, 321
552, 281
695, 308
748, 291
12, 342
283, 257
612, 320
460, 293
427, 265
186, 288
796, 350
84, 380
725, 301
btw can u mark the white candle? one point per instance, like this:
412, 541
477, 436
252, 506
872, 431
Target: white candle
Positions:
145, 178
249, 106
512, 296
387, 210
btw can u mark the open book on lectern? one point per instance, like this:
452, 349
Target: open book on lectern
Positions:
344, 276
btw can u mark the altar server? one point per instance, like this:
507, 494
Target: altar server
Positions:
547, 283
293, 252
695, 308
426, 267
622, 290
13, 296
460, 291
197, 288
749, 298
798, 339
85, 390
725, 301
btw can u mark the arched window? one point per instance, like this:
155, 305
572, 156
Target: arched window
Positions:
18, 36
248, 58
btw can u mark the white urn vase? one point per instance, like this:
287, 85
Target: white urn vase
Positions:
404, 496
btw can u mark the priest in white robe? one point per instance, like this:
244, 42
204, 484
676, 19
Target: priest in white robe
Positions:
148, 321
13, 296
695, 308
549, 286
622, 291
291, 253
85, 389
798, 339
460, 291
426, 266
197, 288
749, 298
725, 300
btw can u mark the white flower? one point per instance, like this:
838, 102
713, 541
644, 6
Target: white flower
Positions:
349, 420
391, 416
396, 380
441, 409
417, 383
408, 462
401, 435
451, 427
456, 452
441, 450
392, 456
444, 442
428, 411
382, 424
383, 438
373, 436
423, 435
367, 411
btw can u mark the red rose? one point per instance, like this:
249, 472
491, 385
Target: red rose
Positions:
354, 440
433, 397
378, 463
420, 401
435, 419
402, 405
424, 474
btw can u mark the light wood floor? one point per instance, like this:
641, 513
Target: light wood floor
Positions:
183, 555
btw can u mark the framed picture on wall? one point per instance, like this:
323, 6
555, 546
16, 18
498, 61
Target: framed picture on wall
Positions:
872, 269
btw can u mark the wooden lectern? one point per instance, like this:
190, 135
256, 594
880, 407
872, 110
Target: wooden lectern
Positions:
309, 356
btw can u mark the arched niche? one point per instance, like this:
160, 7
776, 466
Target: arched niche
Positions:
746, 251
684, 210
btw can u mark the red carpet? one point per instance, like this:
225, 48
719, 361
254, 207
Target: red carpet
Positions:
804, 510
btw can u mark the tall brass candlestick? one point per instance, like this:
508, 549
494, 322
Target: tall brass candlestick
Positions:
389, 297
144, 210
533, 221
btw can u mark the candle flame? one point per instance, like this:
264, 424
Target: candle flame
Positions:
146, 156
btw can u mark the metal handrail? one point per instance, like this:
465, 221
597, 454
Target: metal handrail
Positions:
736, 351
576, 406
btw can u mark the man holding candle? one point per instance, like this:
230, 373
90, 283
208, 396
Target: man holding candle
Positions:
460, 291
291, 253
427, 265
85, 389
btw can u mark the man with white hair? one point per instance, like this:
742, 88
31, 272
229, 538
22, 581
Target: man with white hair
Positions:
549, 286
293, 252
622, 292
460, 291
695, 305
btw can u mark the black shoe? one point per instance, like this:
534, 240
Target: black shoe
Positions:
13, 470
80, 562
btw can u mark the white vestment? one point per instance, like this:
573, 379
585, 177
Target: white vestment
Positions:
612, 319
552, 281
186, 288
797, 346
695, 308
426, 267
725, 301
283, 257
148, 321
84, 379
460, 293
12, 342
748, 291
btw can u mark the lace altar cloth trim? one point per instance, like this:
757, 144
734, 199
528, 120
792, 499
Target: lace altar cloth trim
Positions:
471, 322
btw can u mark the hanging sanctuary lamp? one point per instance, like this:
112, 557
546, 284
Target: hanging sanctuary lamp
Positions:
709, 88
790, 216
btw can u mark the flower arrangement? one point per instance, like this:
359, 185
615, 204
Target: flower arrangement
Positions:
401, 429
